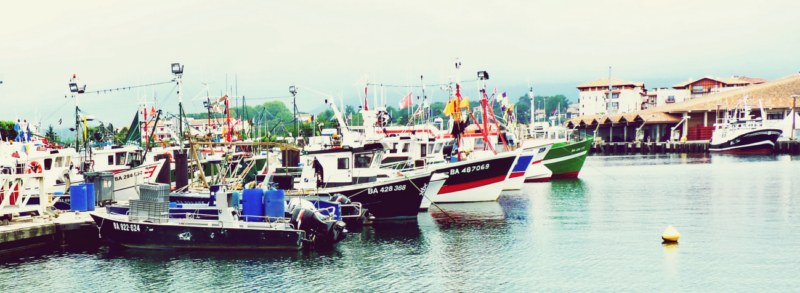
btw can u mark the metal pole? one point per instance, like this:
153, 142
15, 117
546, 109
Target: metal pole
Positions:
610, 94
180, 114
208, 108
794, 115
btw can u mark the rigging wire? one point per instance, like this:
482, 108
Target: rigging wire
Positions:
128, 87
417, 86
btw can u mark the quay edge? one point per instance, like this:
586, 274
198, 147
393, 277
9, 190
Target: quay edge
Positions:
690, 147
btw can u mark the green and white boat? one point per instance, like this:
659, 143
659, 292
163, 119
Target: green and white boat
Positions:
566, 158
567, 155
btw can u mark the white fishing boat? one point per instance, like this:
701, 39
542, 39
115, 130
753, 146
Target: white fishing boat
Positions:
741, 133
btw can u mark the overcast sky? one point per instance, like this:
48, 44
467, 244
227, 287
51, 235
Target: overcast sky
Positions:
330, 47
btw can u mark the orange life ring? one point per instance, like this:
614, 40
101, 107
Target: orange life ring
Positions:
34, 167
169, 156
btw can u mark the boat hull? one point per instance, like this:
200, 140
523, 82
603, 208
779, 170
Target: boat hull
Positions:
475, 180
385, 200
566, 159
180, 237
757, 142
516, 178
537, 171
126, 182
436, 183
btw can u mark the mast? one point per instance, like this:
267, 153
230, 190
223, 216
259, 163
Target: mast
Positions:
76, 90
177, 71
424, 100
293, 91
533, 105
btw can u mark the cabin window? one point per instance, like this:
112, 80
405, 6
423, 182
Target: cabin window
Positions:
111, 159
48, 163
438, 148
363, 160
59, 162
343, 163
422, 151
405, 147
121, 158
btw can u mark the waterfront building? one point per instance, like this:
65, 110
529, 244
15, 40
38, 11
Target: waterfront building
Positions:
163, 131
573, 110
664, 96
709, 85
694, 118
215, 126
626, 96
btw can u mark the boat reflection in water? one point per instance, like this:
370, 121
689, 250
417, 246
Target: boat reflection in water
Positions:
390, 232
476, 214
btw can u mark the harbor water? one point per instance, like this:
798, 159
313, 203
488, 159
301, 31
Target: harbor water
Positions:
739, 218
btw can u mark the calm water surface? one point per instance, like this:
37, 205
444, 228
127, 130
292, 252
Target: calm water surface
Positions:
739, 219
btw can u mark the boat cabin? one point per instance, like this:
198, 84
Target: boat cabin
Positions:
341, 166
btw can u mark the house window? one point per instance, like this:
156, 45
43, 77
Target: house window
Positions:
615, 96
775, 116
670, 99
698, 89
343, 163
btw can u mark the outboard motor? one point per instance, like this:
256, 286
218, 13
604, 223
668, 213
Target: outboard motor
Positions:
319, 231
340, 199
297, 203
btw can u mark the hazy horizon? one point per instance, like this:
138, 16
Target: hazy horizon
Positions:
331, 48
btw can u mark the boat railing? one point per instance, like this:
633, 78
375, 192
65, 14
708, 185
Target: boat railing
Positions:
357, 206
17, 190
191, 218
293, 171
399, 165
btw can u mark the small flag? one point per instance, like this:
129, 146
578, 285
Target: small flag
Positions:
366, 105
406, 101
59, 121
350, 116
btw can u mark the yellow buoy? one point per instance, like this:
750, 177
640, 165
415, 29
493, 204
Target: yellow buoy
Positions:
670, 235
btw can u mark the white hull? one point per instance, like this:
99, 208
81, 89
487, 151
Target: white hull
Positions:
514, 183
126, 183
538, 172
436, 183
488, 192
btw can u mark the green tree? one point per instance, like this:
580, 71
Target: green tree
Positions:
437, 109
7, 130
120, 135
51, 134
